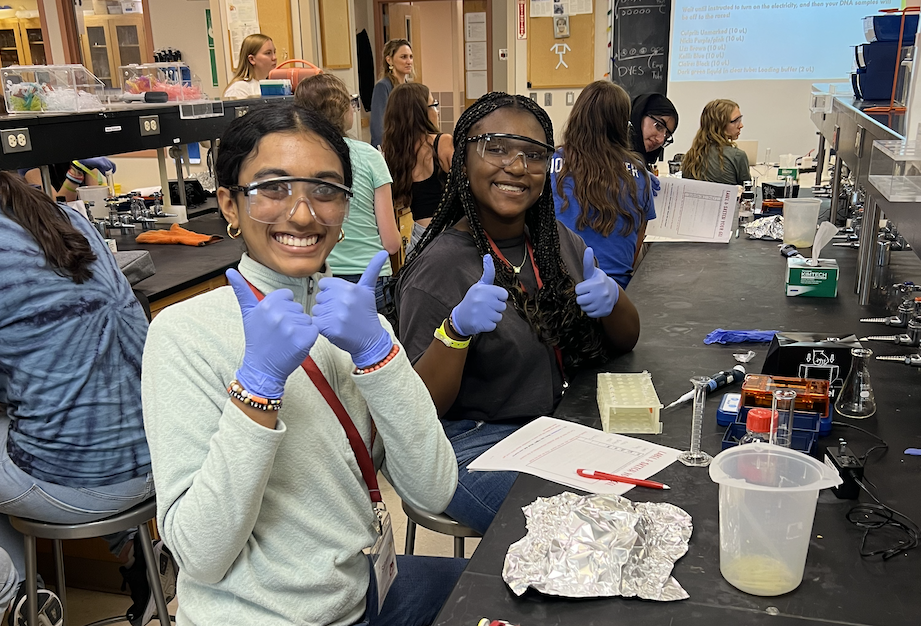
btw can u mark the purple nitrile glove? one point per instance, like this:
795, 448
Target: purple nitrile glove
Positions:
278, 334
346, 314
597, 293
482, 306
654, 184
103, 165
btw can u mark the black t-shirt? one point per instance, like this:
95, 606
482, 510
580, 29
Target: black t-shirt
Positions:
509, 374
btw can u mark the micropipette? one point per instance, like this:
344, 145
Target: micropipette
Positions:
720, 379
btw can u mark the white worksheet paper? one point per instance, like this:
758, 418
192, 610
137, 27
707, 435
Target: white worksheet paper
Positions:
693, 210
554, 449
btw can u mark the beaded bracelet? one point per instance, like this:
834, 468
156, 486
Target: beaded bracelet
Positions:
387, 359
236, 390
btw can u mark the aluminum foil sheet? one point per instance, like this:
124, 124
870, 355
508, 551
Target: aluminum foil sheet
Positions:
770, 227
599, 545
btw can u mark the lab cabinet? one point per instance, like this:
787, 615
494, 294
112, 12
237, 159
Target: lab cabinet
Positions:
111, 41
21, 42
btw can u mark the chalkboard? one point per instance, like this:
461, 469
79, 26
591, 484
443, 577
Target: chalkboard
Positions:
640, 45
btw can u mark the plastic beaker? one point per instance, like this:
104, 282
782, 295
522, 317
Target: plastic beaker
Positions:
800, 217
767, 504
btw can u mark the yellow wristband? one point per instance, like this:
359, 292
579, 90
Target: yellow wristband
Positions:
442, 336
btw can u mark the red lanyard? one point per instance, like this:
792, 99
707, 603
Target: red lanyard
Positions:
530, 251
365, 463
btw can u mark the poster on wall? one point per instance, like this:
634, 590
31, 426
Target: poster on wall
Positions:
242, 20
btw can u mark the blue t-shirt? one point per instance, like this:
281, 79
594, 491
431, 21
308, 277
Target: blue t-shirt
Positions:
615, 252
70, 364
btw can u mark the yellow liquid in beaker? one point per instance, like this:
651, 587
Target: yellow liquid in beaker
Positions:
760, 575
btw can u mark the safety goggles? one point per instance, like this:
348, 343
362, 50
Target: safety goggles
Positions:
502, 149
662, 129
434, 104
355, 101
275, 200
736, 121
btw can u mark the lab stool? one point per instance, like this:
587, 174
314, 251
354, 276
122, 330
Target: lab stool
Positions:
439, 523
136, 517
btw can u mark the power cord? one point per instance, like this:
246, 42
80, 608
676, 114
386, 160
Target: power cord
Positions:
879, 516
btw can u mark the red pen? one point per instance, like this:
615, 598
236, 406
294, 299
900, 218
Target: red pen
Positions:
639, 482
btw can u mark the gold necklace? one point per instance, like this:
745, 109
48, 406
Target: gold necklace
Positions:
517, 268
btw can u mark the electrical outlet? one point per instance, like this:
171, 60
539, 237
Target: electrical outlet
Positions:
16, 140
570, 98
150, 125
533, 96
548, 99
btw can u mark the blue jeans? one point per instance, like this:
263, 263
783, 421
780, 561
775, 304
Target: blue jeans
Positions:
479, 494
422, 585
379, 295
24, 496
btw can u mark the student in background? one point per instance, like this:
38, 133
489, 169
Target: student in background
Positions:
713, 155
600, 188
260, 494
72, 444
371, 226
419, 156
512, 296
398, 67
655, 120
256, 60
66, 177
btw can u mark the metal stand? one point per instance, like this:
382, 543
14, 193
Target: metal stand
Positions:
819, 160
46, 181
867, 249
175, 153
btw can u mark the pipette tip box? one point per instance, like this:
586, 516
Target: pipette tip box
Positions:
628, 403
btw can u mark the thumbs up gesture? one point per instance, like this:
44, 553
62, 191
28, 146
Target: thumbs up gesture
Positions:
346, 314
278, 334
597, 293
482, 306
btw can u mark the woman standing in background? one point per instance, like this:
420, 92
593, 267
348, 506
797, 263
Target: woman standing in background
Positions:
257, 59
398, 67
655, 120
418, 155
713, 155
600, 188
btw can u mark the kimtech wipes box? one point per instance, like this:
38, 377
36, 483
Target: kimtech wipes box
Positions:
818, 281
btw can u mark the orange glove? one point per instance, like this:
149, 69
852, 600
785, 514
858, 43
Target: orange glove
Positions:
177, 234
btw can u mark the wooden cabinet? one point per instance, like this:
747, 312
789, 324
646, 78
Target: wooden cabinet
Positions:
21, 42
111, 41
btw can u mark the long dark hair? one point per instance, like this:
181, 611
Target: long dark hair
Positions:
597, 155
406, 127
552, 312
66, 249
241, 138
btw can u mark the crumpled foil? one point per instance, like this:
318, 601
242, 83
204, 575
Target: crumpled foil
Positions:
599, 545
770, 227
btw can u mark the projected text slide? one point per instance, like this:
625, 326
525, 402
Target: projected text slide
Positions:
755, 40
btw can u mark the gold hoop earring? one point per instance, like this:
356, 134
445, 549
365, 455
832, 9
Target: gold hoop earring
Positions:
341, 235
233, 235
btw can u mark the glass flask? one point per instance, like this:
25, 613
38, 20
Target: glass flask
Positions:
856, 399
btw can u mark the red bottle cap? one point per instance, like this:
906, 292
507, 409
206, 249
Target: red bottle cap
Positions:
759, 420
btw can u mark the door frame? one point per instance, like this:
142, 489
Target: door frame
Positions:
379, 36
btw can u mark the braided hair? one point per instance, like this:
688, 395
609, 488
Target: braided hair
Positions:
552, 312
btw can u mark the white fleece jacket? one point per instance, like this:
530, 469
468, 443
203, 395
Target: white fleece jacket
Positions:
268, 526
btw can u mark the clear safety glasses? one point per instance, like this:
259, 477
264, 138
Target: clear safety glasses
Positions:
275, 200
662, 129
502, 149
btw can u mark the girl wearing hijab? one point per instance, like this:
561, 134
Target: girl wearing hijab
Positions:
654, 120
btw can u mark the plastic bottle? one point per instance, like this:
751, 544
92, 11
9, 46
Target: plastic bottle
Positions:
757, 426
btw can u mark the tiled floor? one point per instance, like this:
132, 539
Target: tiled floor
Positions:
88, 606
